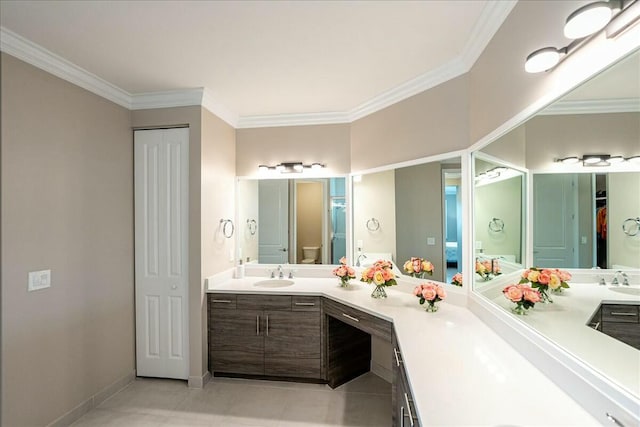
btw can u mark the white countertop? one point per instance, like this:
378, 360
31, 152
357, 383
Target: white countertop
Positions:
565, 321
460, 371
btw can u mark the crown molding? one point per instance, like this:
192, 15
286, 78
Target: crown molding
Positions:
302, 119
595, 106
36, 55
490, 20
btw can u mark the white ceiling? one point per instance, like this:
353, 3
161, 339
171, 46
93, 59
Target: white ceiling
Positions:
261, 58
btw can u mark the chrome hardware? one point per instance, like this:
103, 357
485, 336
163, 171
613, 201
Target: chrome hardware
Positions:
396, 353
221, 301
361, 256
596, 326
267, 329
350, 317
618, 313
290, 274
402, 415
409, 414
615, 281
613, 419
174, 287
625, 279
306, 303
280, 272
602, 282
257, 325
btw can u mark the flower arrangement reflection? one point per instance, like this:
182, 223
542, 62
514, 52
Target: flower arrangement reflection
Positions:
545, 280
381, 275
457, 279
523, 295
430, 293
344, 272
488, 269
418, 267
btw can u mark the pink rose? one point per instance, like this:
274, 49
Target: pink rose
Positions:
544, 277
429, 294
343, 261
513, 293
441, 292
532, 295
417, 291
351, 272
525, 273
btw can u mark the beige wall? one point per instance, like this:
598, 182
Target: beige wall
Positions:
558, 136
510, 147
327, 144
432, 122
374, 197
308, 217
248, 210
623, 202
419, 215
67, 205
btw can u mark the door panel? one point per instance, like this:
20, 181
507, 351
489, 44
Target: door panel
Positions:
273, 208
161, 238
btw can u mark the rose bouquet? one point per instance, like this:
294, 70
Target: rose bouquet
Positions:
344, 272
430, 293
418, 267
488, 269
523, 295
457, 279
381, 275
545, 279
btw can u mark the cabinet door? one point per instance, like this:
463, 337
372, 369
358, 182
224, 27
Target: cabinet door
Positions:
236, 341
292, 344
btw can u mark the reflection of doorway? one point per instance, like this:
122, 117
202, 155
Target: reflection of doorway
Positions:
273, 208
452, 223
338, 206
600, 220
309, 208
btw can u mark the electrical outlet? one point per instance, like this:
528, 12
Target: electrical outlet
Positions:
39, 280
431, 241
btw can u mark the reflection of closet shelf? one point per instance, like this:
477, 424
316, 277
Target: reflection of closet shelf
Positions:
601, 198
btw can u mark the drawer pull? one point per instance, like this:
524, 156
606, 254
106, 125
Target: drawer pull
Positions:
396, 353
257, 325
351, 317
613, 419
402, 415
267, 328
308, 304
222, 301
619, 313
410, 415
595, 326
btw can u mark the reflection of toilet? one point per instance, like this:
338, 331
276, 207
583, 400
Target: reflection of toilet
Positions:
310, 254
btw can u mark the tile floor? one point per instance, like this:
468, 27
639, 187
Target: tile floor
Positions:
227, 402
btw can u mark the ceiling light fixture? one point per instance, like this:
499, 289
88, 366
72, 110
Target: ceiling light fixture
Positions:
582, 24
290, 167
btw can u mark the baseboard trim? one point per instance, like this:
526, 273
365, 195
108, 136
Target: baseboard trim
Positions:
381, 371
93, 401
199, 382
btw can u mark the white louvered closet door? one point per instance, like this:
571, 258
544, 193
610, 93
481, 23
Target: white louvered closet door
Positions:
161, 163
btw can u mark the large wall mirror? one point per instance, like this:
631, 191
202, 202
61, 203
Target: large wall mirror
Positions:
296, 221
412, 211
582, 215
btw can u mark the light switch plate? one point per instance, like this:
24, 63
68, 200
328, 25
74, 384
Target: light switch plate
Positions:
431, 241
39, 280
583, 240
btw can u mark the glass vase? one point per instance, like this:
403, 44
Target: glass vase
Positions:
431, 307
519, 310
379, 292
545, 298
557, 291
344, 283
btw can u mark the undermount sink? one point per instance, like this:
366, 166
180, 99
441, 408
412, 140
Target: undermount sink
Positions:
629, 290
274, 283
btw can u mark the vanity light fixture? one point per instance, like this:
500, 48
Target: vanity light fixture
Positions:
634, 159
615, 159
590, 18
594, 160
582, 24
569, 160
290, 167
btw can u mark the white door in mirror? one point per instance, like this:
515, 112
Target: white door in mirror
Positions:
39, 280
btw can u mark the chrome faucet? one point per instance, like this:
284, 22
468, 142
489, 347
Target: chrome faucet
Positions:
601, 280
280, 272
615, 281
361, 256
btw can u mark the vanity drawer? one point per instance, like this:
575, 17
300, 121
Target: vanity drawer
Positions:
620, 313
358, 319
222, 301
264, 302
302, 303
626, 332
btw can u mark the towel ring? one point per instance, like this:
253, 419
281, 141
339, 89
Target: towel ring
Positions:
252, 225
373, 224
226, 230
496, 225
631, 226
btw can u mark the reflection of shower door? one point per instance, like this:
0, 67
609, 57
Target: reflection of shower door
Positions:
554, 220
273, 208
339, 229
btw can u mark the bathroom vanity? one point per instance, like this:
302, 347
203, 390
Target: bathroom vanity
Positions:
440, 360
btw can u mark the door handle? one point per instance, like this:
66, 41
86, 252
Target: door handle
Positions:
174, 287
283, 250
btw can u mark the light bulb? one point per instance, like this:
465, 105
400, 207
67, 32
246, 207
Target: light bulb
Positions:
615, 159
591, 160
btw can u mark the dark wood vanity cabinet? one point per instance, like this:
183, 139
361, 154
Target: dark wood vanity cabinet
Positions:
619, 321
404, 412
265, 335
